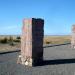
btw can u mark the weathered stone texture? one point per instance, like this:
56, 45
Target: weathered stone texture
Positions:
73, 37
32, 41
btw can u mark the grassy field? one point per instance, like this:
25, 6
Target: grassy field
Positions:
12, 42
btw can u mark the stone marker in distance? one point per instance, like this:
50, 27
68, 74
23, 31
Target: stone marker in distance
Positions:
73, 37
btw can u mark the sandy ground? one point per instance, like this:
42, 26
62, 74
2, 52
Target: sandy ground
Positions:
8, 47
60, 60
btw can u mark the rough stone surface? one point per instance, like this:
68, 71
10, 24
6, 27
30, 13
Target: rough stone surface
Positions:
32, 41
73, 37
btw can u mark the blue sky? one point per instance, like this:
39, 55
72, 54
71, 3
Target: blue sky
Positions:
59, 15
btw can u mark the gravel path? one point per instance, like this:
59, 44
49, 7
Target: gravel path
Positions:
8, 65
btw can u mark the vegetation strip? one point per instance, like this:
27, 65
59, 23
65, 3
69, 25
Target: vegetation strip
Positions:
43, 47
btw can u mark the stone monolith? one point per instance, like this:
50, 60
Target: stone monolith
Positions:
32, 42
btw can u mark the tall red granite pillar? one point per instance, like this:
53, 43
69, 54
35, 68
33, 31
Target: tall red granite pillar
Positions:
73, 37
32, 41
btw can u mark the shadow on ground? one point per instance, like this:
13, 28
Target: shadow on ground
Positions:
56, 62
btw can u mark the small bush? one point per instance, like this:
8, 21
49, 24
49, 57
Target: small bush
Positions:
18, 37
47, 42
11, 44
16, 40
4, 41
10, 39
67, 41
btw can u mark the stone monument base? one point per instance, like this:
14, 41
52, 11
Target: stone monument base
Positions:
73, 46
29, 61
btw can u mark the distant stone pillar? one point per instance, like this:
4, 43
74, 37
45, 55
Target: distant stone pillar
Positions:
32, 41
73, 37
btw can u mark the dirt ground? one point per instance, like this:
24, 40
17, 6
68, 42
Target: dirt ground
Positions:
7, 47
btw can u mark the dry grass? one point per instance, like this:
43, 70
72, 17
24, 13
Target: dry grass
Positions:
12, 43
57, 39
7, 47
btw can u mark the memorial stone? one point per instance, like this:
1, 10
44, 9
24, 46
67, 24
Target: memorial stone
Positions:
32, 42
